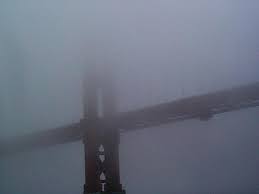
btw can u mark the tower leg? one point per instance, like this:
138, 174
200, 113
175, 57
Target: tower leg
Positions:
102, 174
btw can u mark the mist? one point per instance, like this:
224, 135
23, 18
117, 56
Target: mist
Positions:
156, 51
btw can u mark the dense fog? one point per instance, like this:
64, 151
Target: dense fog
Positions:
156, 51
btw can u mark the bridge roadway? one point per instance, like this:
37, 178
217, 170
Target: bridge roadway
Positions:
201, 107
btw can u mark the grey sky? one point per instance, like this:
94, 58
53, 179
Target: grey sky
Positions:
157, 51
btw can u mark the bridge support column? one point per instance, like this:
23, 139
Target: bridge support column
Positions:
102, 173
